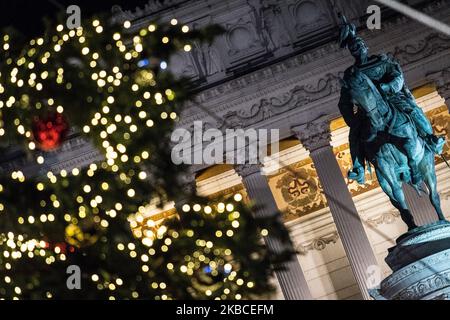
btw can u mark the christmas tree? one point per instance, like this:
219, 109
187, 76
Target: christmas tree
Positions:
111, 84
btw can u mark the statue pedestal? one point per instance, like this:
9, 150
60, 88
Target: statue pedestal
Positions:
421, 265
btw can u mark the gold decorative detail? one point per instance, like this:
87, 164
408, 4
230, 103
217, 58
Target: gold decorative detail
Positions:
338, 123
440, 119
213, 171
423, 91
226, 193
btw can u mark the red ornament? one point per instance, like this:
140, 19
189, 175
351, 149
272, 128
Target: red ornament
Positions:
50, 132
62, 246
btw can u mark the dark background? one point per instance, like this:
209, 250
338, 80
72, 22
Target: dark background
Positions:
27, 15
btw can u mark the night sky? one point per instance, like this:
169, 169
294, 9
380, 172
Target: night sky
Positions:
27, 15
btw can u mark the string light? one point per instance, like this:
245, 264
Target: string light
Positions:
114, 125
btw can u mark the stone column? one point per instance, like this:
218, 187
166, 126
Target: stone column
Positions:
316, 137
442, 81
421, 207
292, 280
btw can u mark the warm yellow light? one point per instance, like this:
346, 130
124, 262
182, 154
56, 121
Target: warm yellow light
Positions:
207, 209
131, 193
142, 175
237, 197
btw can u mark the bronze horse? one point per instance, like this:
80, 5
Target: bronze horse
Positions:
396, 150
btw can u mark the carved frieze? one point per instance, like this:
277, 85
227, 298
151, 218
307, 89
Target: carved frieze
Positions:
385, 218
430, 45
242, 39
309, 17
415, 268
297, 97
269, 19
182, 64
425, 286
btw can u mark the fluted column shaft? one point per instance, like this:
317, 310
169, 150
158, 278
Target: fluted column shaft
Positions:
316, 138
421, 208
292, 280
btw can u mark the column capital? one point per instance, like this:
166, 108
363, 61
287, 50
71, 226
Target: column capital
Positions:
246, 170
314, 135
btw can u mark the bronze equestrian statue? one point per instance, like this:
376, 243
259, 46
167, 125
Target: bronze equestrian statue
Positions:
387, 127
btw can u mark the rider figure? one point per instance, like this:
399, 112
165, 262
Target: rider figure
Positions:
387, 75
